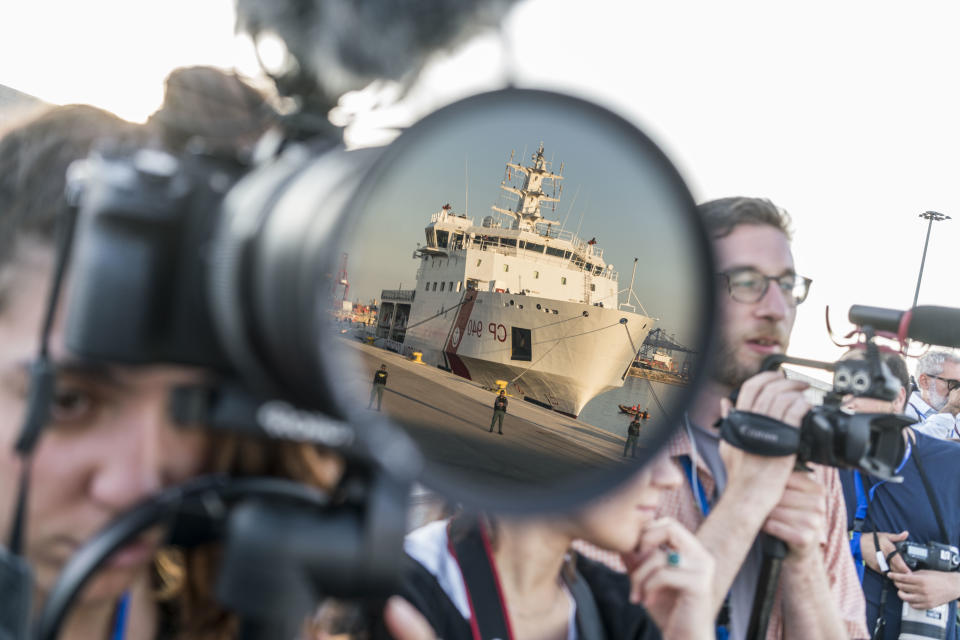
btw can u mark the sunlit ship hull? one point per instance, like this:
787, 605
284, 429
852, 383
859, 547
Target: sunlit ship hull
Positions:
559, 354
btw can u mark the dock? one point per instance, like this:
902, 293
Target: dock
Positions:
449, 418
654, 375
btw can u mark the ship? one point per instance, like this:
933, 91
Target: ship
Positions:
517, 300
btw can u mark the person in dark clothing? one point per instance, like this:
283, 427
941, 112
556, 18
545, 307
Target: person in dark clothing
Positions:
379, 384
633, 436
499, 410
516, 577
900, 599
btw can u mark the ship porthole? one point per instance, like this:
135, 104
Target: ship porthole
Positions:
586, 313
538, 307
511, 303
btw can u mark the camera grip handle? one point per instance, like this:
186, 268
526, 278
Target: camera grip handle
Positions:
759, 434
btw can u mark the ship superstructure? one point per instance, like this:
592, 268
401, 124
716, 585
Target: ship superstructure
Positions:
518, 299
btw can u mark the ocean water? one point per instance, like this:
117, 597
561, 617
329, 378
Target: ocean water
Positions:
603, 412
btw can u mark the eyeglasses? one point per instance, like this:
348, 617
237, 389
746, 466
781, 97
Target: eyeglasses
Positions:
951, 383
749, 285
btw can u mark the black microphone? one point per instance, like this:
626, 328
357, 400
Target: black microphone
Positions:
928, 324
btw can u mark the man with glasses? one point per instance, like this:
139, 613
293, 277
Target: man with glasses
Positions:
730, 496
935, 404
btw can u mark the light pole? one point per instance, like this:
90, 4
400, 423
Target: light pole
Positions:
931, 216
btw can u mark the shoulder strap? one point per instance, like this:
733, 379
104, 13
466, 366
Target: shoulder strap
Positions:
932, 496
589, 625
487, 610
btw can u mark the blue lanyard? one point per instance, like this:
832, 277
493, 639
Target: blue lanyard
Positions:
723, 633
863, 503
923, 415
120, 621
698, 493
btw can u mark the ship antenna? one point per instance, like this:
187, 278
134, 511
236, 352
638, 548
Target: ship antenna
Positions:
570, 208
582, 213
466, 188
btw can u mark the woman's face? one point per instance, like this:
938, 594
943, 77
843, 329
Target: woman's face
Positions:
616, 520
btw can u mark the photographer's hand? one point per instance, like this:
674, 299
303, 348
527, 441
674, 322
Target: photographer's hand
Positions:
755, 483
799, 519
887, 540
404, 622
676, 595
924, 589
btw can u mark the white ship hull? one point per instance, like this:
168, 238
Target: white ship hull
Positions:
557, 353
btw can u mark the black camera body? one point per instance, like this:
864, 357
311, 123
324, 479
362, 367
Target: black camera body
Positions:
828, 434
933, 556
141, 294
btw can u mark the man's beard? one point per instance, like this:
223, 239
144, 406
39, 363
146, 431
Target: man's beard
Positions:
727, 371
935, 400
730, 372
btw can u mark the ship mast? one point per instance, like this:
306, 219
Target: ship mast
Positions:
527, 213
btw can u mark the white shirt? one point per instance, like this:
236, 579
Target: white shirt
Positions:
917, 408
931, 423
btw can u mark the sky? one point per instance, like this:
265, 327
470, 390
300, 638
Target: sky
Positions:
845, 114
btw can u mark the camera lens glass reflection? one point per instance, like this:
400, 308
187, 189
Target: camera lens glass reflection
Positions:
523, 287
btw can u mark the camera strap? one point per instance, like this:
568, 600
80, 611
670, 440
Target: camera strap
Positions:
488, 611
931, 494
864, 498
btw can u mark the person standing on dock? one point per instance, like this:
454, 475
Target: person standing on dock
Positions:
379, 384
499, 410
633, 436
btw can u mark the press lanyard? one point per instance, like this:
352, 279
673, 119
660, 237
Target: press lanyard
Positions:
120, 617
723, 630
863, 503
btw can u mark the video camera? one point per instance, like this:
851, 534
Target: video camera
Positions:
828, 434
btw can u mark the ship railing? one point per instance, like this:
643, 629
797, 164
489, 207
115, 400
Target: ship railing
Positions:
546, 229
393, 345
398, 295
440, 216
548, 259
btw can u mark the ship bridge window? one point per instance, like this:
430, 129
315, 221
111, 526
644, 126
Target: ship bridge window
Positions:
442, 237
431, 239
434, 286
520, 344
508, 242
442, 284
459, 285
536, 248
506, 267
598, 270
450, 288
553, 251
589, 267
563, 279
426, 286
